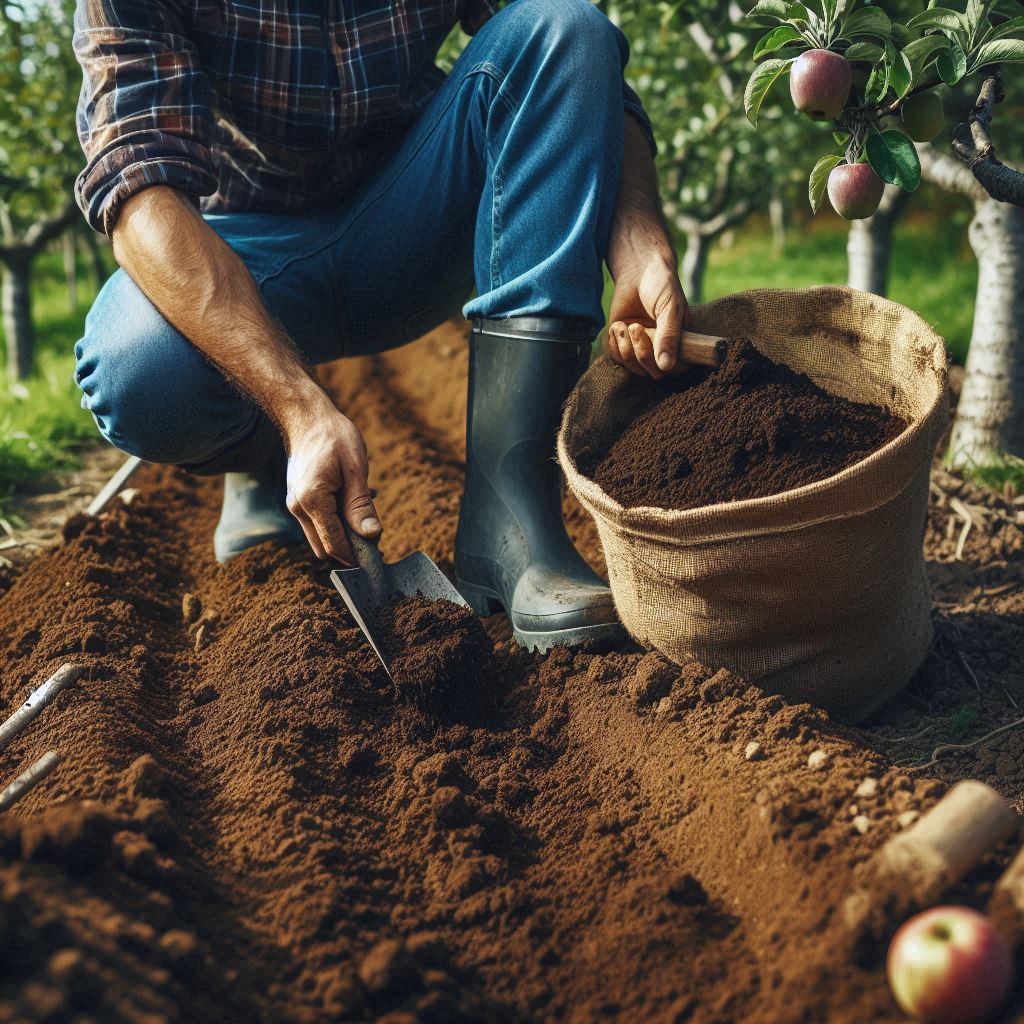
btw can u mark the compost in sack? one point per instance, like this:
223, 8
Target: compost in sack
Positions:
818, 591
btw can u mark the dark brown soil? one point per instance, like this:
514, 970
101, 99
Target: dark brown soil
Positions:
749, 429
247, 826
440, 656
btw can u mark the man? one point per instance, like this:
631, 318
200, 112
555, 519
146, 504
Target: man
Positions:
352, 197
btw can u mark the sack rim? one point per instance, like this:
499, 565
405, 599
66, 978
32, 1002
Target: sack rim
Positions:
922, 429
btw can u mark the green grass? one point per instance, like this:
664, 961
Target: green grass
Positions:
42, 424
1007, 469
932, 271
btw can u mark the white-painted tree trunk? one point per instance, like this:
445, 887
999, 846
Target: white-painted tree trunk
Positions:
777, 219
16, 302
990, 416
869, 244
694, 263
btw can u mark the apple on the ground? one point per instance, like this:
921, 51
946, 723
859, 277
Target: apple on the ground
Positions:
949, 965
854, 190
819, 82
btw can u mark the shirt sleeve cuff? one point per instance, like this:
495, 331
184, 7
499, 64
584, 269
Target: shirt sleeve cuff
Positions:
636, 108
101, 192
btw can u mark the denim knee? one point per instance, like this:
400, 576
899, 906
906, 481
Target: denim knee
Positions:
573, 25
149, 389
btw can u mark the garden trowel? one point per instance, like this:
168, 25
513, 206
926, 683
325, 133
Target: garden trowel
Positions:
368, 587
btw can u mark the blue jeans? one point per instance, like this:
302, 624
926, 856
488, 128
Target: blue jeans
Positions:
507, 181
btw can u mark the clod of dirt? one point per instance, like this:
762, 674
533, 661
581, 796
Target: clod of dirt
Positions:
749, 429
817, 760
438, 651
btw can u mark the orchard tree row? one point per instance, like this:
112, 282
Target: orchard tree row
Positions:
878, 81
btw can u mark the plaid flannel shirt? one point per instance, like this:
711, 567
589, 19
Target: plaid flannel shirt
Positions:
253, 104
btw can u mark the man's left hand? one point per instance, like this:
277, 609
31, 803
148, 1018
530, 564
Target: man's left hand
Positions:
647, 294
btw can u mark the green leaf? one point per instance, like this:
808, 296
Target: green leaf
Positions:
878, 82
864, 51
775, 40
939, 17
1008, 28
999, 51
920, 52
975, 17
796, 10
900, 34
766, 11
894, 158
952, 63
868, 21
843, 8
841, 138
900, 73
819, 179
760, 82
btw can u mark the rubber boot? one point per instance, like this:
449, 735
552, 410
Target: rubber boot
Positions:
511, 548
255, 488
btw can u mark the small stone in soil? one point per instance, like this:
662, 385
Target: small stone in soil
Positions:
907, 818
754, 751
862, 823
867, 789
817, 760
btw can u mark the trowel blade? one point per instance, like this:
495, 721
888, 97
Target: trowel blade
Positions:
412, 575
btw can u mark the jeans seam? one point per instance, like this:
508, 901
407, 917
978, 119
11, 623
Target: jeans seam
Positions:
485, 68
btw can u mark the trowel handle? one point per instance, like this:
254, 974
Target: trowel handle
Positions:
699, 349
370, 560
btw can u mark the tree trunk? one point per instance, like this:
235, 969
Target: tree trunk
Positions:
70, 269
990, 416
16, 301
777, 218
99, 270
695, 261
869, 244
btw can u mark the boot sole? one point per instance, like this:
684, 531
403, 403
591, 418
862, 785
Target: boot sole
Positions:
486, 602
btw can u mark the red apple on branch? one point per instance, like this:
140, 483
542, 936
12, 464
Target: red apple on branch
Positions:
819, 82
949, 965
854, 190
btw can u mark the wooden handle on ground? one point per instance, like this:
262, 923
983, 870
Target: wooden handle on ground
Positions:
915, 867
699, 349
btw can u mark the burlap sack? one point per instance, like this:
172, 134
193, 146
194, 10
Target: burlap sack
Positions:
818, 593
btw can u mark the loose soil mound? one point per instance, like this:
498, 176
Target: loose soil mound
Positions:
440, 656
248, 826
749, 429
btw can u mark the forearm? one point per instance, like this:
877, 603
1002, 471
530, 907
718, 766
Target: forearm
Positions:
201, 286
638, 226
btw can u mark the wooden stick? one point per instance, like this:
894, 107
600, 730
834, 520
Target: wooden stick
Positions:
1006, 904
699, 349
915, 867
113, 485
29, 779
37, 700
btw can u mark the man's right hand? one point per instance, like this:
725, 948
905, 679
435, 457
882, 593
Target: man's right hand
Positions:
327, 479
202, 287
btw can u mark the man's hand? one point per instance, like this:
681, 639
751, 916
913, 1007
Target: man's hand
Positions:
642, 260
327, 479
647, 295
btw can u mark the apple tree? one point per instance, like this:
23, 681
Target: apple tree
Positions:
877, 81
39, 154
688, 62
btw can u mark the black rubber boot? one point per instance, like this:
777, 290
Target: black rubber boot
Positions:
511, 549
255, 488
